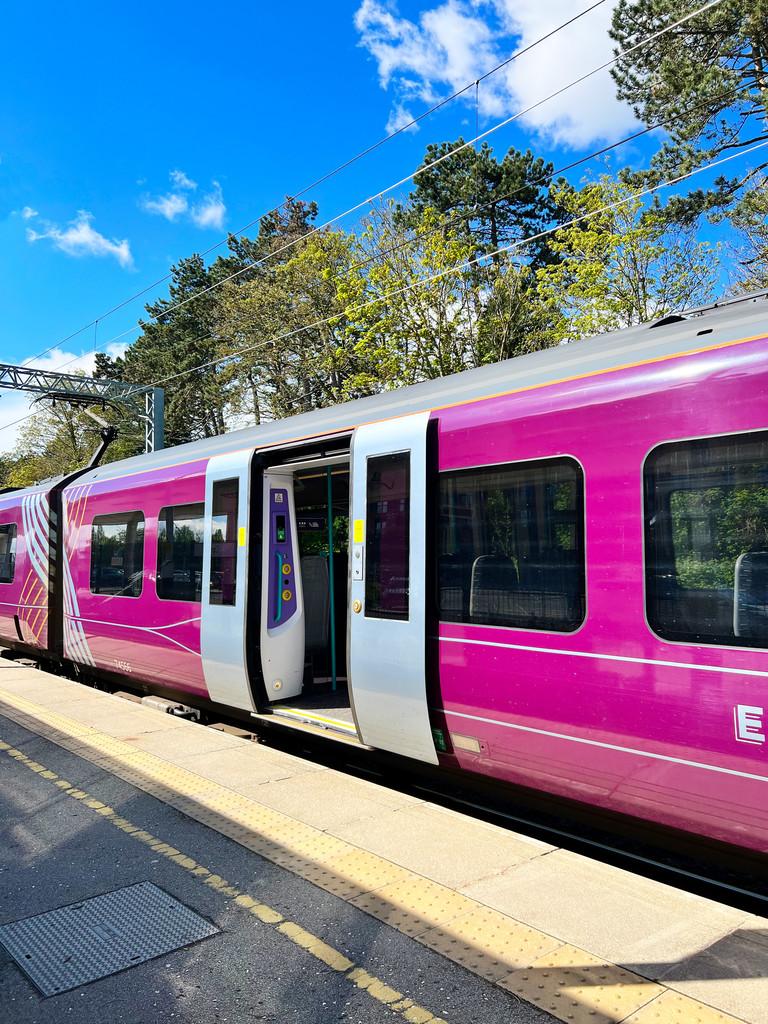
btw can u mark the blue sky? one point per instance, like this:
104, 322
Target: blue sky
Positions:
133, 136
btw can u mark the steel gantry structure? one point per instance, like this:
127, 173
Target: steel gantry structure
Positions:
145, 404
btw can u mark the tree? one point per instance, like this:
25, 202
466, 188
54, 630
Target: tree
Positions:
750, 218
177, 340
420, 320
290, 318
706, 81
514, 319
623, 264
490, 202
56, 439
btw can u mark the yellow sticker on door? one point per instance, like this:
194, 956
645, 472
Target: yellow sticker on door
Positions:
241, 537
358, 531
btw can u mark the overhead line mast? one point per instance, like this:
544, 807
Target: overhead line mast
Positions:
78, 390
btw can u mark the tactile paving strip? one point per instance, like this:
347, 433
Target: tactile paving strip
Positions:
488, 943
414, 905
570, 983
674, 1008
573, 985
80, 943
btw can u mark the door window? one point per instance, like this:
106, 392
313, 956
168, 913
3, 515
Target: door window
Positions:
387, 536
223, 588
7, 552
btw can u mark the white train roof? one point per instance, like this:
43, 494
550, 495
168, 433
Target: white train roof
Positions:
731, 320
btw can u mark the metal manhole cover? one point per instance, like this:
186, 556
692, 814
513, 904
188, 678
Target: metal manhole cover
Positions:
85, 941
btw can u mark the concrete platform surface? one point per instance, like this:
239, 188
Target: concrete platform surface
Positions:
581, 940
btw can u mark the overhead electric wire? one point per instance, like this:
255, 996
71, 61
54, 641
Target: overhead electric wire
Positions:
419, 170
518, 244
332, 173
445, 221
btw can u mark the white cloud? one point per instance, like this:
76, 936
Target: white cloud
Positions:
16, 405
183, 181
456, 42
28, 213
587, 113
210, 212
400, 116
80, 238
169, 206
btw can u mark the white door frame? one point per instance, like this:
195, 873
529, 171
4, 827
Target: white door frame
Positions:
223, 627
387, 657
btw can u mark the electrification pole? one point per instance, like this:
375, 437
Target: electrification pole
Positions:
145, 404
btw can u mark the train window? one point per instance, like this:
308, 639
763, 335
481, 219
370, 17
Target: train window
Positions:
117, 554
180, 552
511, 546
706, 534
7, 552
223, 589
387, 536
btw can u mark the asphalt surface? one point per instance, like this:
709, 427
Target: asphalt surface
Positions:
55, 851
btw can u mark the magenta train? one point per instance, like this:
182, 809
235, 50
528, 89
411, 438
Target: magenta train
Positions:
552, 571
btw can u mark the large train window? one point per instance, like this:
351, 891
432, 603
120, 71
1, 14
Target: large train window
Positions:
706, 533
7, 552
387, 536
180, 552
511, 545
223, 588
117, 554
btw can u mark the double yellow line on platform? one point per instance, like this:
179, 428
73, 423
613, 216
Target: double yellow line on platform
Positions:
566, 981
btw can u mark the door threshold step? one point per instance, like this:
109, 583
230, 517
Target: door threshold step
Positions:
313, 718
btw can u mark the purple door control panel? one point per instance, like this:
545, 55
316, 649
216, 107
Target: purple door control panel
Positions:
282, 577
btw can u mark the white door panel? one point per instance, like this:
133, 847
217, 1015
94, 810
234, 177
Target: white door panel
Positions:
282, 599
224, 587
387, 617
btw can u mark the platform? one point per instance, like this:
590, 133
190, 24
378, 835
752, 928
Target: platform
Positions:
407, 911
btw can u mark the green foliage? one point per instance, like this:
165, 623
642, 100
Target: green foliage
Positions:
711, 528
706, 80
298, 318
621, 262
750, 218
491, 202
56, 440
420, 320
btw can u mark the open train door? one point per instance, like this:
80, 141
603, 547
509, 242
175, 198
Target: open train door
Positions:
387, 613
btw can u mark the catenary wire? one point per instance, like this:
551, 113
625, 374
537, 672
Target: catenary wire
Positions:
651, 190
332, 173
446, 221
419, 170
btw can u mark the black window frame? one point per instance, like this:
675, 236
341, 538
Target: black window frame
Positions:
464, 617
12, 529
162, 523
138, 574
217, 596
651, 575
374, 600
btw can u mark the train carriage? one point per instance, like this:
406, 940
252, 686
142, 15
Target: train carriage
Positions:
552, 571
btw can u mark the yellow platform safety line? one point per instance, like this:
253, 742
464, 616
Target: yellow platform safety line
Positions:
569, 983
315, 946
